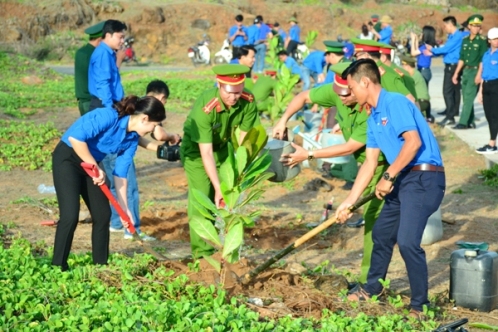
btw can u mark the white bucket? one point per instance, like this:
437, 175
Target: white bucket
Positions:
328, 139
434, 229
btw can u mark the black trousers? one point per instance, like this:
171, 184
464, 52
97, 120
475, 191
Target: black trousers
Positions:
451, 92
490, 104
292, 48
71, 181
425, 107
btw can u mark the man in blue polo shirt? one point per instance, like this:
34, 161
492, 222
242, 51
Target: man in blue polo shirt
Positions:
412, 187
237, 35
294, 37
260, 44
313, 66
253, 32
386, 33
451, 55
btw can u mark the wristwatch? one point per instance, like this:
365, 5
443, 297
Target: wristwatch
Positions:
388, 177
310, 155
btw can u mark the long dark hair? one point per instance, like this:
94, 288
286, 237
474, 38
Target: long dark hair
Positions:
429, 35
148, 105
364, 30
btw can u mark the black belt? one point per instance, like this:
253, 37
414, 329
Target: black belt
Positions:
450, 64
491, 81
426, 168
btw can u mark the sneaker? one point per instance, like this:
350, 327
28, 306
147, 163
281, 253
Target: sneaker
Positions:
116, 230
487, 149
142, 235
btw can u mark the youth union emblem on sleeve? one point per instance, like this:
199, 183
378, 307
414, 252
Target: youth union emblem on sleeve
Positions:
384, 121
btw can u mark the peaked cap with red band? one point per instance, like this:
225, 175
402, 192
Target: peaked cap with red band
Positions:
340, 85
361, 45
231, 76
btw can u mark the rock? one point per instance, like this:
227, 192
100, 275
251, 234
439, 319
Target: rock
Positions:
153, 15
201, 24
339, 12
431, 13
31, 80
12, 35
295, 268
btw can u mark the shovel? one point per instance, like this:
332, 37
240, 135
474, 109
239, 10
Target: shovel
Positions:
93, 171
247, 277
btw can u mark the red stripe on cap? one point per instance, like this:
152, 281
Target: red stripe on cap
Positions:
366, 48
340, 81
385, 50
231, 79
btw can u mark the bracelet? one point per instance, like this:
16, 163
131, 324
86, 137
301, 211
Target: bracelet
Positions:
310, 155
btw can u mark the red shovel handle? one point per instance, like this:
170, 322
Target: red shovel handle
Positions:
93, 171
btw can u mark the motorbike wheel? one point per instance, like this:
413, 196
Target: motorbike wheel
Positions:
194, 63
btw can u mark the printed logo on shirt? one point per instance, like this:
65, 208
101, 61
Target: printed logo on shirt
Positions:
494, 62
384, 121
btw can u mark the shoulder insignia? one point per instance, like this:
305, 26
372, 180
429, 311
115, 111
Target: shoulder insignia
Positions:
247, 96
382, 71
213, 103
400, 73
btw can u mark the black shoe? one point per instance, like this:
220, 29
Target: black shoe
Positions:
446, 121
472, 125
356, 224
461, 126
352, 285
442, 113
348, 185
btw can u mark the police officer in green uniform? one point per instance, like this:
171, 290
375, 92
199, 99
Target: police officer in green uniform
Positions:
390, 80
423, 98
208, 128
353, 125
473, 48
375, 20
262, 88
81, 63
385, 57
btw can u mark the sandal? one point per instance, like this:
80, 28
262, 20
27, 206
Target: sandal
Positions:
358, 294
415, 314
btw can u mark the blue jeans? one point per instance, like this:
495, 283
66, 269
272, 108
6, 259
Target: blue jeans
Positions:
306, 75
109, 163
259, 64
426, 74
415, 196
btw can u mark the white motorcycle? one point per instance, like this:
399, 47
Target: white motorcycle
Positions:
200, 54
301, 52
224, 55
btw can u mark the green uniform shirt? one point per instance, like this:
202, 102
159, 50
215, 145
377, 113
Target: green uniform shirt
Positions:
407, 79
81, 63
262, 88
210, 121
353, 123
390, 80
473, 50
378, 26
420, 86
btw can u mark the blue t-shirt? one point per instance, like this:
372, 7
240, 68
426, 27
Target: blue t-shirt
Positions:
239, 40
252, 34
264, 30
393, 116
423, 61
104, 81
282, 33
385, 35
490, 65
292, 65
450, 50
105, 133
315, 61
234, 61
294, 33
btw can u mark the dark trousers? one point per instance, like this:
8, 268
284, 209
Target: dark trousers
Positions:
451, 92
235, 52
95, 103
83, 106
71, 181
292, 48
416, 195
425, 107
490, 104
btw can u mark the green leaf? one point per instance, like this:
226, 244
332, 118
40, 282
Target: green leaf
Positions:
202, 210
231, 158
214, 263
227, 174
248, 222
233, 239
241, 159
202, 199
258, 166
233, 257
206, 230
254, 195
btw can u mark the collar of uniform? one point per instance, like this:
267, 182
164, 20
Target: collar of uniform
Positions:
107, 48
222, 104
354, 109
123, 123
379, 101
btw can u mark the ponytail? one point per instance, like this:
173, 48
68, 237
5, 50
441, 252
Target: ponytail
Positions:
148, 105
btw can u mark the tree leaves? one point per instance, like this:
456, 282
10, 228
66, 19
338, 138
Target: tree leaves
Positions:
205, 229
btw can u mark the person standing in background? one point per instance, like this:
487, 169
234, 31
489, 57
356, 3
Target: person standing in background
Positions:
293, 38
252, 33
385, 35
451, 54
365, 33
423, 61
260, 45
473, 48
281, 32
488, 96
237, 35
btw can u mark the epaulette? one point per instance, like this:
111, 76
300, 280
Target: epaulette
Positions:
400, 73
212, 104
382, 71
247, 96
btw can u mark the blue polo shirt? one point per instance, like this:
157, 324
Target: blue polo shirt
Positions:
104, 81
393, 116
450, 50
252, 34
264, 30
423, 61
292, 65
105, 133
239, 40
294, 33
490, 65
385, 35
315, 61
282, 33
